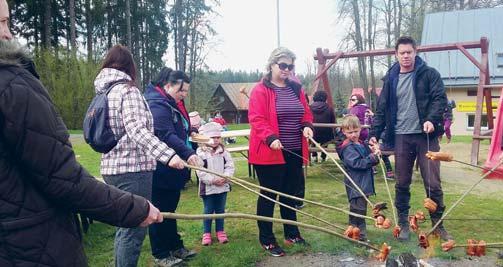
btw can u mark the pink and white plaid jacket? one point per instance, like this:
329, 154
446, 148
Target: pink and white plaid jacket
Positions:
138, 149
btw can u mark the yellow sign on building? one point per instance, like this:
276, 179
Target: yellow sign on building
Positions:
470, 106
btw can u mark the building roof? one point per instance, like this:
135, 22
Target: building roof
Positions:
238, 93
462, 26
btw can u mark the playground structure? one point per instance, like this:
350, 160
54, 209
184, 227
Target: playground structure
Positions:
495, 148
326, 60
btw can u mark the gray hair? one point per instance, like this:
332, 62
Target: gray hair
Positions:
278, 53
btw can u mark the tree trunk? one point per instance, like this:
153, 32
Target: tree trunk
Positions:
362, 69
388, 29
128, 25
47, 24
370, 40
73, 36
89, 31
109, 24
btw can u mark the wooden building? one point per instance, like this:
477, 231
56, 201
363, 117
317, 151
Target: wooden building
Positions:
460, 76
231, 101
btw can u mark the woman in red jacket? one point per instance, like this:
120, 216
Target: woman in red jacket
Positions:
280, 119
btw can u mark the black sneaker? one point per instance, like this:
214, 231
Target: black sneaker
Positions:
295, 241
442, 233
274, 250
183, 253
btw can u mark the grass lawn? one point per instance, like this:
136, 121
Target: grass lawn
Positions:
323, 185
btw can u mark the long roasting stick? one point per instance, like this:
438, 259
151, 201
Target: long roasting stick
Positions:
231, 178
343, 171
462, 197
290, 207
393, 208
179, 216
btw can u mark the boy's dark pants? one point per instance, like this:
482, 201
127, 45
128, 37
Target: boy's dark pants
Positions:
358, 205
408, 147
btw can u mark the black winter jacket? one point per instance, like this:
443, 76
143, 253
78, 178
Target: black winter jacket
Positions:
431, 100
41, 183
322, 113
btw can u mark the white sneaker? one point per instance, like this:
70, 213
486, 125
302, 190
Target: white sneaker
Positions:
167, 262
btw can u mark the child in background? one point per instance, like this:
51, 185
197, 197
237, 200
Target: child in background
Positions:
358, 159
213, 189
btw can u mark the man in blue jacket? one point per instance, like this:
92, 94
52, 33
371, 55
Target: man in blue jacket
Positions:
410, 110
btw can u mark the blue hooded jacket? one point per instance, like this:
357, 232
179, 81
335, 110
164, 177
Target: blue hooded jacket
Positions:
171, 127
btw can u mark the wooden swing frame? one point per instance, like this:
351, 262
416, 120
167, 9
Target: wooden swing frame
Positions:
326, 60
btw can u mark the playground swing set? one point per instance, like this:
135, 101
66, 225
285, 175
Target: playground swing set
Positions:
495, 126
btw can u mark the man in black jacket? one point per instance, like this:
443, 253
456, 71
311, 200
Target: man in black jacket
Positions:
410, 110
41, 183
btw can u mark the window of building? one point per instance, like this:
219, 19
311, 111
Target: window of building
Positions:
471, 121
499, 60
471, 92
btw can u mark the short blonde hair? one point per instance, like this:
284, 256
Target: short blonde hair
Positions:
350, 122
278, 53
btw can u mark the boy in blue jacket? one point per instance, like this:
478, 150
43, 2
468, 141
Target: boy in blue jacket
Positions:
358, 159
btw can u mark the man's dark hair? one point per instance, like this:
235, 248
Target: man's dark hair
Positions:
405, 40
320, 96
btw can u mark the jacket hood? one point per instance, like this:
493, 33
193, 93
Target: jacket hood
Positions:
12, 53
151, 93
108, 76
319, 107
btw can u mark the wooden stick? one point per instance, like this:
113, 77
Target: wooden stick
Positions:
393, 208
476, 166
496, 244
462, 197
231, 178
169, 215
343, 171
290, 207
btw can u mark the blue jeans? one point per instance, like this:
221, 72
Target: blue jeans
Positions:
214, 204
128, 241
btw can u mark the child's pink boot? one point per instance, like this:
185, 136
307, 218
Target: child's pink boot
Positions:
222, 237
206, 239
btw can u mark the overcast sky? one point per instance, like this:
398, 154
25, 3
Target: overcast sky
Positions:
247, 32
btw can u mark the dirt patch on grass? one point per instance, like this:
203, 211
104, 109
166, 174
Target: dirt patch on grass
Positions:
346, 260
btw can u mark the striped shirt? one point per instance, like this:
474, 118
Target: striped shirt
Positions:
290, 111
129, 115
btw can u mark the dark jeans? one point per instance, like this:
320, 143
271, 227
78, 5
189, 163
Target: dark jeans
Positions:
214, 204
407, 148
286, 178
357, 205
164, 236
128, 241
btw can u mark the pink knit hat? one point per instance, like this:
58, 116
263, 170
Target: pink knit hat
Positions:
211, 129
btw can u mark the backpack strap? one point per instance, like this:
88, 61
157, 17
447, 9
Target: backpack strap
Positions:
113, 84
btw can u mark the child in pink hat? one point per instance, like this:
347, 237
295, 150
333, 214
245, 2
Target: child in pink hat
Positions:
213, 189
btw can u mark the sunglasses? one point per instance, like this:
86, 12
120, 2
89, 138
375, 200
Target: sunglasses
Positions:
284, 66
353, 99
